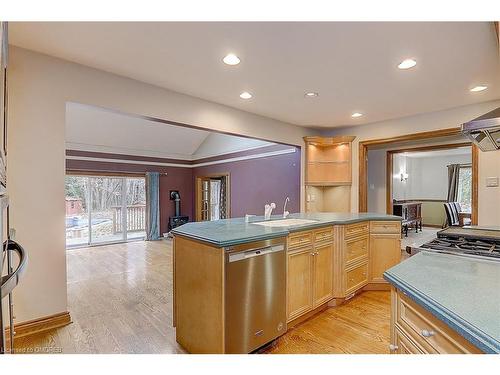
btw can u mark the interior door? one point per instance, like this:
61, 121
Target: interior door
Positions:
203, 199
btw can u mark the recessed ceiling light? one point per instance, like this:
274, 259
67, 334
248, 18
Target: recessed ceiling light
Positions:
407, 64
311, 94
356, 114
478, 88
231, 59
245, 95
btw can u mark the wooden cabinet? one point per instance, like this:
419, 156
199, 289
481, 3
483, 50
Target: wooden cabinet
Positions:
299, 282
385, 252
385, 248
385, 227
337, 261
415, 330
411, 212
300, 239
350, 261
356, 278
356, 249
309, 271
404, 345
322, 274
328, 160
328, 173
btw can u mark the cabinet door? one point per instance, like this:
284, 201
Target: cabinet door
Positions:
299, 283
385, 252
322, 274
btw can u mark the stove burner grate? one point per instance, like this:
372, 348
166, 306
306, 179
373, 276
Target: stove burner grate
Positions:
481, 247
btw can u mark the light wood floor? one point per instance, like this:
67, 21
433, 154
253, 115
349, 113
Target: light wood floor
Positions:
120, 300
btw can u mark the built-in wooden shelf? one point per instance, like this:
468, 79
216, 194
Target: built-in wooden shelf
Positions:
328, 173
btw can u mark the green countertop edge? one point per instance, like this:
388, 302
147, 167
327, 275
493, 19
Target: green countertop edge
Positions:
469, 332
282, 232
232, 243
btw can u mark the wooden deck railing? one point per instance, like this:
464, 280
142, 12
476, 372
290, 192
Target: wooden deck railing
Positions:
136, 218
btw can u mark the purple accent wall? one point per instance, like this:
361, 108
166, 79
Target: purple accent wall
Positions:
255, 182
176, 179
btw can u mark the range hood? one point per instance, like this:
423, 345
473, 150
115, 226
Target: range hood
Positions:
484, 130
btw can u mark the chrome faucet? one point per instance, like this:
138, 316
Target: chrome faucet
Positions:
285, 212
268, 209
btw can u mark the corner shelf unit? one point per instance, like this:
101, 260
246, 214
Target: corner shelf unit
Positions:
328, 173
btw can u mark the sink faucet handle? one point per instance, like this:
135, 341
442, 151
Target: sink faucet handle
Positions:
268, 209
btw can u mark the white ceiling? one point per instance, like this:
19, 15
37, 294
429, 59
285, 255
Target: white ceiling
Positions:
99, 130
351, 65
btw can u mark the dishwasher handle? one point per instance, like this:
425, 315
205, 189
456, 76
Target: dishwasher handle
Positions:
242, 255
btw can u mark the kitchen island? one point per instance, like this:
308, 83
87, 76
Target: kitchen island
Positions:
445, 303
327, 258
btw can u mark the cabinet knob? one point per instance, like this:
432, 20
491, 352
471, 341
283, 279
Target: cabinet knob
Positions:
313, 254
427, 333
393, 347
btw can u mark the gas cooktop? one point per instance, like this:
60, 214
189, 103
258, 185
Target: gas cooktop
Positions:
478, 241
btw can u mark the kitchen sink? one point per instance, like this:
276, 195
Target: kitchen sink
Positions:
285, 222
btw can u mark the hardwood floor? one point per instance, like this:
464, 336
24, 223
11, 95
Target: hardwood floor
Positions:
120, 300
360, 325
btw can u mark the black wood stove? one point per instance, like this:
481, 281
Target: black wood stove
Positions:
178, 219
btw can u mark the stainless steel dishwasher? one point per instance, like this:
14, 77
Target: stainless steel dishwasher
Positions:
255, 309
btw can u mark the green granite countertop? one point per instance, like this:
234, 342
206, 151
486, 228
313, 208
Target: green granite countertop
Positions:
230, 232
463, 292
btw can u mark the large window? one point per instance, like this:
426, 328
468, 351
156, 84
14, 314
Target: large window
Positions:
104, 210
465, 189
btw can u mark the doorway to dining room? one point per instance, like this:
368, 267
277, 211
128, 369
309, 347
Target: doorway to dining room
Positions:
423, 181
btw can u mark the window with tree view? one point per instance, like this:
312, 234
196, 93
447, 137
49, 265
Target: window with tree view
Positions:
101, 209
465, 188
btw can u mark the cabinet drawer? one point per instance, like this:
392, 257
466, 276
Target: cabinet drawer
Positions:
357, 229
355, 249
323, 235
385, 227
405, 345
300, 239
429, 332
356, 278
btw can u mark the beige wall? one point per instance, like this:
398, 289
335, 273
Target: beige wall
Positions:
39, 88
489, 162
